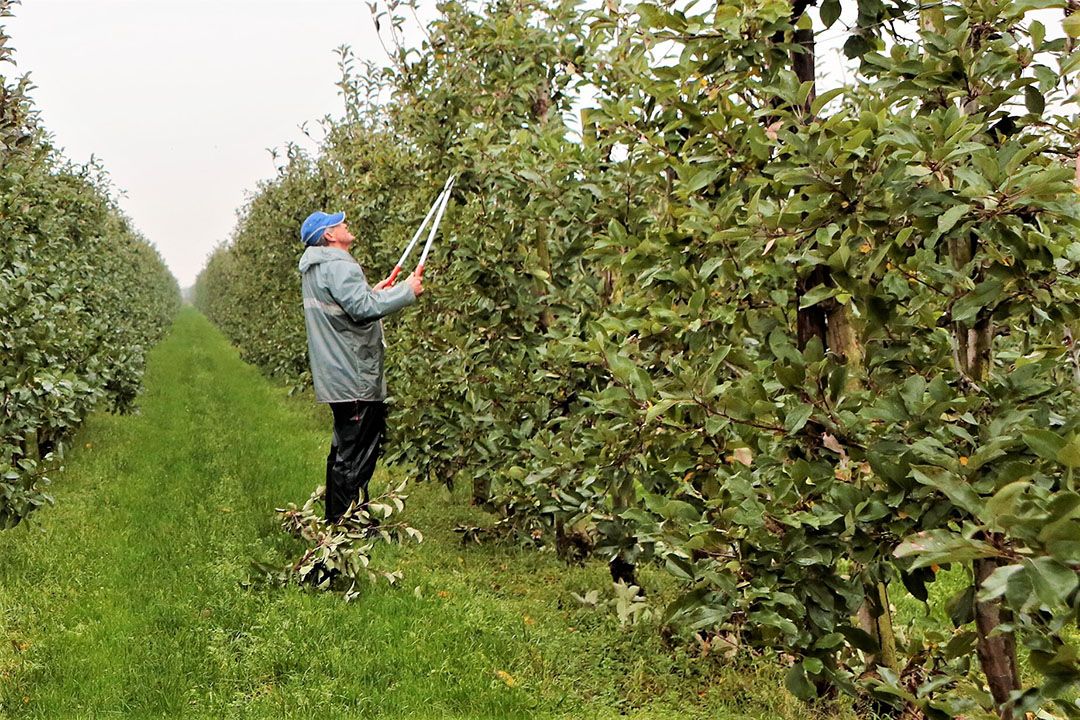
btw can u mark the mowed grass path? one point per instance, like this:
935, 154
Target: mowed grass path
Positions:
126, 598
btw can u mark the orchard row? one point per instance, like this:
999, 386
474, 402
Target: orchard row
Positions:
82, 297
801, 346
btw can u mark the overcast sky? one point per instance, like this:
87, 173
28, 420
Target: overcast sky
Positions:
180, 100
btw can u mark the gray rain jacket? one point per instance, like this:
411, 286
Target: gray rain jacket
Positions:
342, 313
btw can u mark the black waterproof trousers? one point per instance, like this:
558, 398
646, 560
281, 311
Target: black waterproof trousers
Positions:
359, 429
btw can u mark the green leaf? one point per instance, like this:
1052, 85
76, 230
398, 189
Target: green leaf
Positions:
709, 267
856, 46
1071, 25
950, 217
1003, 502
824, 98
679, 510
797, 417
798, 684
621, 367
817, 294
955, 487
770, 618
659, 409
1034, 100
915, 582
1067, 551
940, 547
996, 585
984, 294
1038, 33
680, 567
962, 645
826, 642
830, 12
1052, 581
1020, 592
1044, 443
961, 606
651, 15
1069, 454
860, 639
701, 178
1023, 6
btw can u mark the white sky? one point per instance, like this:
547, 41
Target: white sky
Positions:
181, 99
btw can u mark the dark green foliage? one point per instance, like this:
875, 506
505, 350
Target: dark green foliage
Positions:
82, 296
129, 594
790, 348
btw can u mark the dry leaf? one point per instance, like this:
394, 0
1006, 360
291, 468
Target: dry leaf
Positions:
829, 440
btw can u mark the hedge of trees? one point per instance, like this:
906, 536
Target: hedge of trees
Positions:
801, 348
82, 297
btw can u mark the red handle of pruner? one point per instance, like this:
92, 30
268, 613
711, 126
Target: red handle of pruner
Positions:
393, 276
420, 272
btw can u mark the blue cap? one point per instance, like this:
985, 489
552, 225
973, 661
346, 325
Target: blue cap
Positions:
316, 224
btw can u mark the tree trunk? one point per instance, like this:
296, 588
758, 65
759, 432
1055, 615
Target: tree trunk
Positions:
974, 355
875, 615
830, 323
875, 619
810, 322
481, 491
997, 653
803, 63
841, 340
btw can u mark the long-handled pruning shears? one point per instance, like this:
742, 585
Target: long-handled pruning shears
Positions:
437, 209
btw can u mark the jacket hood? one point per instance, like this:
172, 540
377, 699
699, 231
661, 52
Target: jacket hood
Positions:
319, 254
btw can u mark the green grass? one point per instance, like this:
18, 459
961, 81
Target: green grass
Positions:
126, 598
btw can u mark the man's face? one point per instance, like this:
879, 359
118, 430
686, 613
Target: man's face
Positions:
340, 234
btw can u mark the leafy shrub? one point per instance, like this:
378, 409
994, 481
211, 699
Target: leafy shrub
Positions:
82, 297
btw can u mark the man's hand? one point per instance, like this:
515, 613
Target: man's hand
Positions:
415, 284
382, 285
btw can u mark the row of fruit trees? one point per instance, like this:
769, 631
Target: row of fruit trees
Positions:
802, 349
82, 297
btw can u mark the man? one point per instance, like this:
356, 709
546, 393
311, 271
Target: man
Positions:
345, 348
